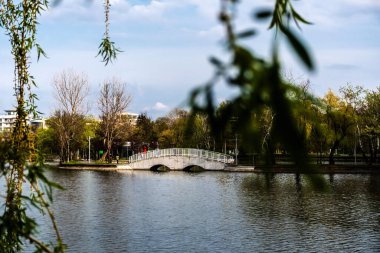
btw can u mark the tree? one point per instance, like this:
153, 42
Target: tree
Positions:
177, 122
200, 136
71, 90
68, 132
308, 113
370, 121
302, 109
46, 142
339, 118
113, 101
353, 98
143, 134
174, 130
163, 132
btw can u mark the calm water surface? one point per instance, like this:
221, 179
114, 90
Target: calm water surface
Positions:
215, 212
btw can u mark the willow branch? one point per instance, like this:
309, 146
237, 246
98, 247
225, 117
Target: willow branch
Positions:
39, 243
46, 206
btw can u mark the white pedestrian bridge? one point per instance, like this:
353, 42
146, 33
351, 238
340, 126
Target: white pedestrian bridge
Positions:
180, 159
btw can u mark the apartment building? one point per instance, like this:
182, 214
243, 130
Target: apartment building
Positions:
8, 119
132, 117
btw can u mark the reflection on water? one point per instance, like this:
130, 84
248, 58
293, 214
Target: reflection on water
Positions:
344, 218
147, 211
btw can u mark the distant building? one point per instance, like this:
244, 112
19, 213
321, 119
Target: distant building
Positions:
132, 117
37, 123
8, 119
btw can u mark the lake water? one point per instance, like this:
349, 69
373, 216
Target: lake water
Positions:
147, 211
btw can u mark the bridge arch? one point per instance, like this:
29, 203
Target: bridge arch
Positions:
180, 159
194, 168
160, 167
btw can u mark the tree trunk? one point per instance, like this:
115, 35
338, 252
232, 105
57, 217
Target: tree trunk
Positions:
361, 147
105, 154
363, 154
269, 156
332, 151
371, 152
377, 149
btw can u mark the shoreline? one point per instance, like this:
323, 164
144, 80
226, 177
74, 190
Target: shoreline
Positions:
281, 168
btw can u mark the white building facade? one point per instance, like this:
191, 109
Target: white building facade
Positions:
132, 117
8, 120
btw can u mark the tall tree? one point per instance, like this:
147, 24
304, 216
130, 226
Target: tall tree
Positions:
353, 97
200, 135
71, 90
68, 132
46, 142
340, 119
144, 133
163, 132
113, 101
370, 118
177, 122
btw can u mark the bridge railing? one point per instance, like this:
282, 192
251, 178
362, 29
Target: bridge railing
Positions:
189, 152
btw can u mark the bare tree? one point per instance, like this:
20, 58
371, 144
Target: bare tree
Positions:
113, 101
71, 90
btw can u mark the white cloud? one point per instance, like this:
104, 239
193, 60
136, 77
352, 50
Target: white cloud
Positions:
207, 8
120, 10
74, 10
124, 10
157, 110
338, 13
155, 10
160, 107
213, 32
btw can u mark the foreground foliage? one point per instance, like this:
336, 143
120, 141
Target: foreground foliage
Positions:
20, 166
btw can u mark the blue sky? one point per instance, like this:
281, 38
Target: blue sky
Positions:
167, 43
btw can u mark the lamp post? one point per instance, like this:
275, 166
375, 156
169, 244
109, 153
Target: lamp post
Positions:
89, 149
236, 150
355, 148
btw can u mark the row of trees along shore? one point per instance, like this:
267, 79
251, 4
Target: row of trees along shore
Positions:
347, 123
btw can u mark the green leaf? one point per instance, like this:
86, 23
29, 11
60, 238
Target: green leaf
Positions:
216, 62
298, 47
40, 52
107, 50
246, 34
263, 14
298, 17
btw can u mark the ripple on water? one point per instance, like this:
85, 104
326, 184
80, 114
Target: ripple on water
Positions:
214, 212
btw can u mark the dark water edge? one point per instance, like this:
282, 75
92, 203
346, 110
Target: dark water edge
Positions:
348, 168
345, 168
143, 211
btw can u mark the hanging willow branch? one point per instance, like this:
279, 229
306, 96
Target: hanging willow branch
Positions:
107, 49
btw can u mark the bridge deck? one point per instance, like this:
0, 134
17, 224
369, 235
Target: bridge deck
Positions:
187, 152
